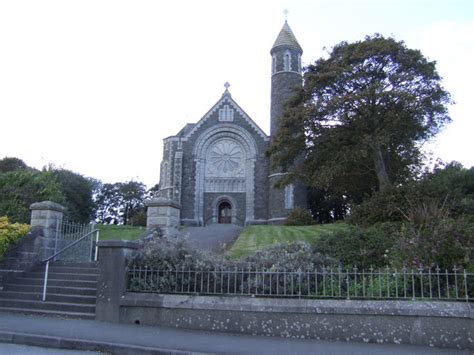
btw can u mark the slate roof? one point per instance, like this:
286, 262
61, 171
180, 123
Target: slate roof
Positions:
287, 38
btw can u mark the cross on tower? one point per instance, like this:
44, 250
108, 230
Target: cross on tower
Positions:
286, 14
226, 85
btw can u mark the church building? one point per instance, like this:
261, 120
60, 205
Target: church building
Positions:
216, 170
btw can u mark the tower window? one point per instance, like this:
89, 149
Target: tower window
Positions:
274, 64
289, 199
299, 63
287, 61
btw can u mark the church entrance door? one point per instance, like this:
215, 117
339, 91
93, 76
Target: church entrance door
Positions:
225, 212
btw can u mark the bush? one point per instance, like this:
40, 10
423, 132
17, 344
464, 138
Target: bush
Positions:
10, 233
361, 247
299, 217
430, 237
383, 206
291, 256
452, 186
176, 253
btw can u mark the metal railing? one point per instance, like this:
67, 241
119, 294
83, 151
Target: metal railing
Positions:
402, 284
68, 247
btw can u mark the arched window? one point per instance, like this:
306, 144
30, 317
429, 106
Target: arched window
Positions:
299, 63
274, 64
287, 61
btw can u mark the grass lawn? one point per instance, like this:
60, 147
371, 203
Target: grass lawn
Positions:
254, 238
108, 232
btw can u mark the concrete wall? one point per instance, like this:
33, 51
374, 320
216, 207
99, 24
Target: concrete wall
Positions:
438, 324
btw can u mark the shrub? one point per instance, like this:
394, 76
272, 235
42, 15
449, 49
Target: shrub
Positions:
452, 186
291, 256
383, 206
177, 253
10, 233
299, 217
430, 237
361, 247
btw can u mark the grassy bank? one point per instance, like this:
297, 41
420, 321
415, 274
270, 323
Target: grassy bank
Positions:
254, 238
113, 232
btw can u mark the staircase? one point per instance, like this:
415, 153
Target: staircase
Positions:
71, 291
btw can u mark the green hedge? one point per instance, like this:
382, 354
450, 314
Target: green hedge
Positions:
10, 233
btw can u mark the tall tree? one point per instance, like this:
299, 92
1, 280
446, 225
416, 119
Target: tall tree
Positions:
119, 202
77, 191
11, 164
132, 195
20, 188
361, 116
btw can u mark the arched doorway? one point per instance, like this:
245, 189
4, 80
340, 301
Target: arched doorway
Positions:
225, 213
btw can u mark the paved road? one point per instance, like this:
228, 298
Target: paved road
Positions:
215, 237
139, 339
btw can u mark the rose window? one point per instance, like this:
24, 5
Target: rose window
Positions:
225, 157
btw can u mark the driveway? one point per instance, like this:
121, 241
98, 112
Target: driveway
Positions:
216, 237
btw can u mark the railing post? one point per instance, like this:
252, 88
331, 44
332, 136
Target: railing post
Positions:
112, 281
45, 284
96, 245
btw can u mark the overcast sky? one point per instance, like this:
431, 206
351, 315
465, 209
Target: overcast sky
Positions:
95, 86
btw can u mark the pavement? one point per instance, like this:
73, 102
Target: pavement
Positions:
215, 237
123, 339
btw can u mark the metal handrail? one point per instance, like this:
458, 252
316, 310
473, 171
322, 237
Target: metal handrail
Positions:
46, 271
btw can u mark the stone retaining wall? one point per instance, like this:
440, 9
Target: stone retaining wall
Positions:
436, 324
427, 323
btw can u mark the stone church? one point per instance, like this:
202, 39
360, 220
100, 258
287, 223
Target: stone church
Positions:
216, 170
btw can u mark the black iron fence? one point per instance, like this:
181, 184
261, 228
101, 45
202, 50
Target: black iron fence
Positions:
406, 284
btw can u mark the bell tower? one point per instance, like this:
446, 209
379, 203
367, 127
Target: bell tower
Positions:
286, 72
286, 77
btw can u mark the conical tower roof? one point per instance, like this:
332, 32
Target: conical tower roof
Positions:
286, 38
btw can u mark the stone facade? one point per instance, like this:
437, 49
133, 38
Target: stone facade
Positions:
217, 171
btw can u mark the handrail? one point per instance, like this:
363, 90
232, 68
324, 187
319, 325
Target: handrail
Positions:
69, 246
46, 271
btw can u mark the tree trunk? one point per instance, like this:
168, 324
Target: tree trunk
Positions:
380, 169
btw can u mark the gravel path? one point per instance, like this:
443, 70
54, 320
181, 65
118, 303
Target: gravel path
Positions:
215, 237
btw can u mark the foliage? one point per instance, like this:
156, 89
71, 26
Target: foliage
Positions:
121, 203
77, 191
429, 237
382, 206
8, 164
176, 253
296, 255
20, 188
450, 185
256, 238
327, 206
360, 118
10, 233
299, 217
361, 247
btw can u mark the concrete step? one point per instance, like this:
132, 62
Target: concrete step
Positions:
47, 305
56, 275
53, 297
67, 269
76, 315
84, 291
53, 282
91, 264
